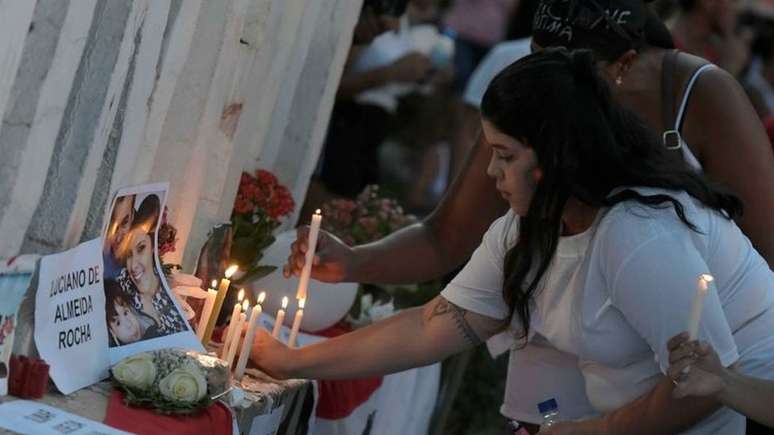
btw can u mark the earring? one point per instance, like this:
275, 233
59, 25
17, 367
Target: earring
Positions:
619, 80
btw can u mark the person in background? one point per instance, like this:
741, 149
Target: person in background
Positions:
697, 371
758, 78
349, 161
707, 28
476, 25
500, 56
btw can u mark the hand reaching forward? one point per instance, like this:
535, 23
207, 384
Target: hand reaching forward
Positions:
270, 355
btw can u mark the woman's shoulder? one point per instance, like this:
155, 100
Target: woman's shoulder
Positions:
503, 229
630, 222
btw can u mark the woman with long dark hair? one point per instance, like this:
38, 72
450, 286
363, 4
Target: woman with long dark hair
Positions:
599, 256
140, 278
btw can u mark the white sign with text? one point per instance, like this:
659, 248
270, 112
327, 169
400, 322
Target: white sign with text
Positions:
70, 330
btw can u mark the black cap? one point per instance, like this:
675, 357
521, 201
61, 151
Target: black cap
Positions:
607, 27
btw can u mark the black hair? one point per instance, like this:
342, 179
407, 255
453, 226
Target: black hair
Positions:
521, 19
686, 5
114, 293
586, 145
147, 215
146, 218
394, 8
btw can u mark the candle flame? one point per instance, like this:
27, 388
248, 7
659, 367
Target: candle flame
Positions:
261, 297
284, 302
241, 294
706, 277
301, 303
214, 283
318, 212
245, 305
231, 271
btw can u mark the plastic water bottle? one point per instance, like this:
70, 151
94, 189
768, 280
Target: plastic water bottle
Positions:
550, 412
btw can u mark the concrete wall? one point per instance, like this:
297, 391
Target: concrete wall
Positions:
101, 94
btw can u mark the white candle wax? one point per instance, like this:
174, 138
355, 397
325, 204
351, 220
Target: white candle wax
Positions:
698, 303
232, 324
225, 283
234, 346
306, 272
296, 323
280, 318
247, 344
204, 319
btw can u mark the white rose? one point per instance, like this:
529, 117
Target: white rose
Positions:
136, 371
186, 384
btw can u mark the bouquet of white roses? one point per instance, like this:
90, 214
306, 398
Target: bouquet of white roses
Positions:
171, 381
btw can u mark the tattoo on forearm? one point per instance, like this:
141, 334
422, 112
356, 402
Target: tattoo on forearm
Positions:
458, 314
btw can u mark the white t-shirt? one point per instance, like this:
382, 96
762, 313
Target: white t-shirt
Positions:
616, 293
499, 57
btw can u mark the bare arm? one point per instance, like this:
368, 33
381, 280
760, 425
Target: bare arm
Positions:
445, 239
409, 68
735, 151
655, 412
749, 396
412, 338
419, 252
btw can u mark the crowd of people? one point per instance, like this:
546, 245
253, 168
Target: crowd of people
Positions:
612, 156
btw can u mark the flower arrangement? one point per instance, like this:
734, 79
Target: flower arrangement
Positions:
171, 381
167, 235
368, 218
260, 205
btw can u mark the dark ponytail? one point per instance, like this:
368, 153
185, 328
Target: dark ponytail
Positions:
586, 145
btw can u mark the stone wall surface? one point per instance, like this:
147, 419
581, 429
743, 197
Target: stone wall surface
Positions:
100, 94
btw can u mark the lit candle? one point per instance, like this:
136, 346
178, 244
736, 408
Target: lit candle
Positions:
232, 323
296, 323
234, 346
280, 318
697, 305
222, 290
306, 272
247, 344
209, 303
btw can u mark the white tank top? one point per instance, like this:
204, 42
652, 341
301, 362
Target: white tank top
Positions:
690, 159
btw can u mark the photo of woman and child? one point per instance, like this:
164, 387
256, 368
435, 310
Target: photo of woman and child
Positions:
137, 306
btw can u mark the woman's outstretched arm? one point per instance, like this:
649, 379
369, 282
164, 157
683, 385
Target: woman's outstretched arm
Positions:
412, 338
